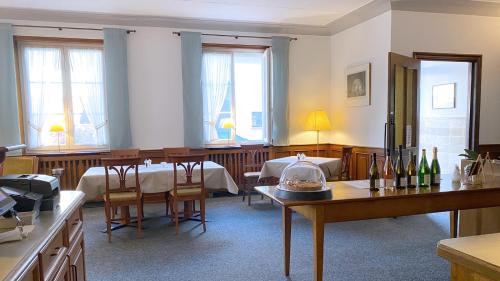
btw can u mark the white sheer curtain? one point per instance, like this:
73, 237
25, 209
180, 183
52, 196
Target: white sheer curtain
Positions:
42, 85
216, 78
87, 85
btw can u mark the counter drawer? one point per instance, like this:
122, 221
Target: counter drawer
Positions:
63, 272
32, 273
52, 256
76, 259
74, 224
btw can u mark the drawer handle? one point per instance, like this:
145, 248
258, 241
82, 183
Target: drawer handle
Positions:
58, 249
76, 222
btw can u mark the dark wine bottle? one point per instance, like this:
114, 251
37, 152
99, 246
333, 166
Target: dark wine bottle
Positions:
435, 169
424, 172
411, 172
399, 170
374, 174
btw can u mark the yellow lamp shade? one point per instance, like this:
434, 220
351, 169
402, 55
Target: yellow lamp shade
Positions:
317, 121
56, 129
228, 124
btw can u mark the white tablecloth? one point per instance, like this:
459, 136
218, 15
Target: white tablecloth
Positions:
273, 168
156, 178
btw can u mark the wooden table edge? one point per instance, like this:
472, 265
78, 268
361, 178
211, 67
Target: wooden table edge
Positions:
475, 264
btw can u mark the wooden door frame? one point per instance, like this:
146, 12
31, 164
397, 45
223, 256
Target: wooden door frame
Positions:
475, 94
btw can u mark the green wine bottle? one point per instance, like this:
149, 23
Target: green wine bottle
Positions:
435, 169
411, 172
424, 172
374, 174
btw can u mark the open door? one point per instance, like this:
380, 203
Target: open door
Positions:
402, 113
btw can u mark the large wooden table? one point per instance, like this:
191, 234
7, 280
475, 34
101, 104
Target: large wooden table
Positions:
354, 201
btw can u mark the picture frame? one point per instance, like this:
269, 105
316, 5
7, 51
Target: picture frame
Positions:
358, 85
444, 96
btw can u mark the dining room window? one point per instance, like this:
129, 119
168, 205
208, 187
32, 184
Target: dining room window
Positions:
63, 96
235, 86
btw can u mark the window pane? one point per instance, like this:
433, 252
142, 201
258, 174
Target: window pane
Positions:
216, 78
250, 96
43, 87
88, 101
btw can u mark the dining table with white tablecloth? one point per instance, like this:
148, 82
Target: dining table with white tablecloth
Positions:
155, 178
273, 168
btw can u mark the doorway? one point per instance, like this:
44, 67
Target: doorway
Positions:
444, 106
448, 105
434, 100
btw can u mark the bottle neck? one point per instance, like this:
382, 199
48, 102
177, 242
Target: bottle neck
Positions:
424, 158
434, 155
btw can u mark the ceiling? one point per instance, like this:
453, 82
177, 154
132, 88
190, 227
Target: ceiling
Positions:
296, 12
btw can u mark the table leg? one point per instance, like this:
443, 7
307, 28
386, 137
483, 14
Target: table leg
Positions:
318, 240
287, 230
454, 224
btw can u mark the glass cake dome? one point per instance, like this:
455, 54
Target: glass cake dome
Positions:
302, 176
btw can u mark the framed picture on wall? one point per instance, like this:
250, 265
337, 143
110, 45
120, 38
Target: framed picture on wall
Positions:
358, 85
443, 96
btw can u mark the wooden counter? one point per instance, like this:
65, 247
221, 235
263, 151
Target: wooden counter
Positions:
54, 250
472, 258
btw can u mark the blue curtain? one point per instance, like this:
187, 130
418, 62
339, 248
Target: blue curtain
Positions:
116, 80
191, 83
9, 118
280, 48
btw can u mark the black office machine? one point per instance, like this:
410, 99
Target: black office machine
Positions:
47, 186
26, 201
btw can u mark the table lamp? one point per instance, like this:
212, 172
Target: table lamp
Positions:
317, 121
228, 124
57, 129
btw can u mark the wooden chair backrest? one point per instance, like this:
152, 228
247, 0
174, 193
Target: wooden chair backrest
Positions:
122, 166
253, 157
20, 165
125, 153
346, 163
188, 163
171, 151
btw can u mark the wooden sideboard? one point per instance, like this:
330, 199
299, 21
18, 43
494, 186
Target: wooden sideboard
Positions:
54, 250
231, 158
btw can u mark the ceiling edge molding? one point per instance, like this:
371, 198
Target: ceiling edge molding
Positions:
458, 7
152, 21
362, 14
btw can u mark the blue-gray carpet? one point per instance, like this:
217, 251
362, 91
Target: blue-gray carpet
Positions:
245, 243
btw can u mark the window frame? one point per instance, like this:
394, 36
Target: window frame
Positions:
232, 48
64, 44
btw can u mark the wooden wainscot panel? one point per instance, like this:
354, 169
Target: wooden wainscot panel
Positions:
231, 158
361, 162
493, 149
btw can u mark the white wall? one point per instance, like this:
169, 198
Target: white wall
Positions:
366, 42
155, 80
445, 33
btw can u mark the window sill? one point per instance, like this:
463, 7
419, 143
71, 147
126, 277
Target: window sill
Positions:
230, 146
64, 153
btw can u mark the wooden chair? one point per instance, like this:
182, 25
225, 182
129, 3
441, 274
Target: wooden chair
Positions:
345, 169
123, 196
253, 160
20, 165
188, 190
171, 151
125, 153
